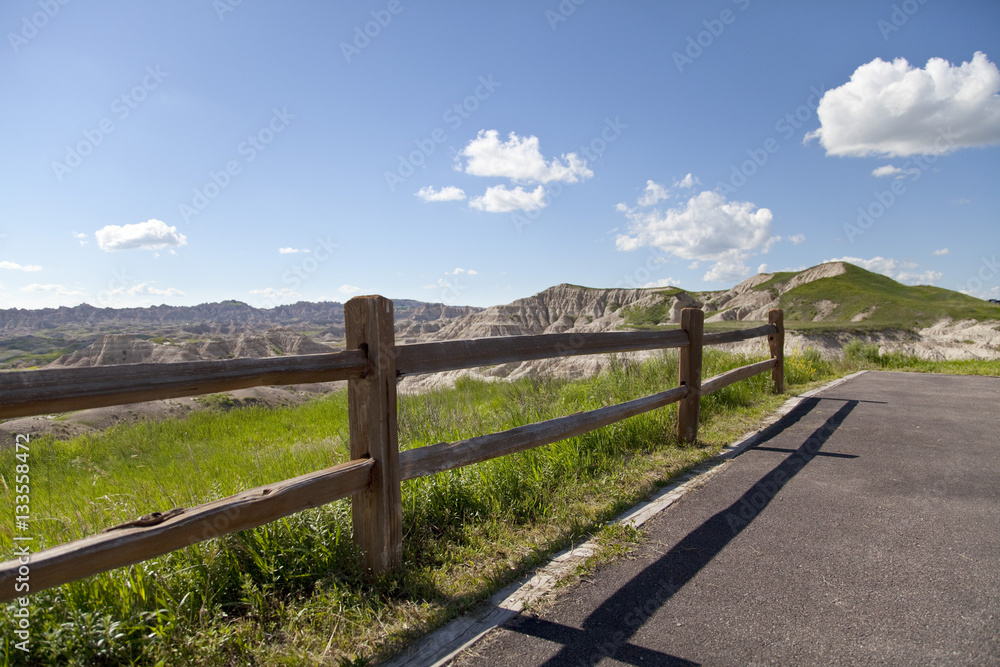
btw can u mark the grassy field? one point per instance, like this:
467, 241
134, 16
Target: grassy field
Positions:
292, 592
891, 303
886, 304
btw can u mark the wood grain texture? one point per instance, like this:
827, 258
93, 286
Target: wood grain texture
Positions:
26, 393
377, 512
737, 335
457, 354
742, 373
689, 372
125, 546
448, 455
776, 342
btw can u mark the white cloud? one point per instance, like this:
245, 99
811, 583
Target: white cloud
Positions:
762, 268
942, 251
654, 193
14, 266
80, 236
892, 170
348, 289
148, 289
520, 159
797, 239
149, 235
447, 193
459, 272
498, 199
292, 251
688, 181
273, 295
901, 270
53, 289
705, 228
730, 268
893, 109
663, 282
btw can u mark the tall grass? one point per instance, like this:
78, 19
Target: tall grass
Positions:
293, 591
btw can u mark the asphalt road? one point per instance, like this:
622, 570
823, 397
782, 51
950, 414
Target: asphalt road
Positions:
863, 528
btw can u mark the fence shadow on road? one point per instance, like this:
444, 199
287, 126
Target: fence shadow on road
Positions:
607, 630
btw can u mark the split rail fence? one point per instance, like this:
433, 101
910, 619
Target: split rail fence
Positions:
371, 364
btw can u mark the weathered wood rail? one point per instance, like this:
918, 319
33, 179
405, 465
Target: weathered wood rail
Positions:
372, 365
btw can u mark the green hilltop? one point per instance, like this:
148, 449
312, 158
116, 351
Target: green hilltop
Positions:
884, 301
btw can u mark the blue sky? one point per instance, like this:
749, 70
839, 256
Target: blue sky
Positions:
474, 153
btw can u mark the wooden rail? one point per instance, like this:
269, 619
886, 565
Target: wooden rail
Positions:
26, 393
371, 365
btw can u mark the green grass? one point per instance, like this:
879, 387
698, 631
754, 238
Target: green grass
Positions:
895, 305
653, 314
292, 592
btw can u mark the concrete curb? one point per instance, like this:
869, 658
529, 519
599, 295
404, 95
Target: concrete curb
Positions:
443, 645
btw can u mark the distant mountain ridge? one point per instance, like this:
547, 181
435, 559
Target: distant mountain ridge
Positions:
835, 294
218, 316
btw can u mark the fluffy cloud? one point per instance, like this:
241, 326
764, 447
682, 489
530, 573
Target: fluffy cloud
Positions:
447, 193
148, 289
797, 239
520, 159
460, 272
348, 289
498, 199
149, 235
273, 295
292, 251
893, 109
663, 282
903, 271
892, 170
56, 290
942, 251
14, 266
654, 193
81, 237
705, 228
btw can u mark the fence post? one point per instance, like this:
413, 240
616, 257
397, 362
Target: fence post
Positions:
776, 343
693, 322
377, 513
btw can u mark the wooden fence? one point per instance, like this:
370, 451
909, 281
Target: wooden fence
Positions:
371, 364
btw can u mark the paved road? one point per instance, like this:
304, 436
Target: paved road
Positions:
864, 528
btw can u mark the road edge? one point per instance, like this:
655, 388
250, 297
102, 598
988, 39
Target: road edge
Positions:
446, 643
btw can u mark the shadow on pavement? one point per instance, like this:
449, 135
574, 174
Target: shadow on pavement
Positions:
605, 633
